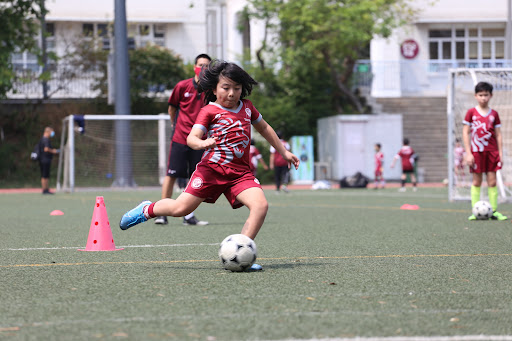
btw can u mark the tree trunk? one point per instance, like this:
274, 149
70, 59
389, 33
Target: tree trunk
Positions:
340, 82
263, 46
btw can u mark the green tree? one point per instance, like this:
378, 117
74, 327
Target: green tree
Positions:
291, 101
327, 36
20, 27
153, 70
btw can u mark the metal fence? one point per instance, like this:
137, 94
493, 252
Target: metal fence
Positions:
64, 81
404, 77
412, 77
69, 81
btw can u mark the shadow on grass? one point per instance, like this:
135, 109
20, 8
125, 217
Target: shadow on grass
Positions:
280, 266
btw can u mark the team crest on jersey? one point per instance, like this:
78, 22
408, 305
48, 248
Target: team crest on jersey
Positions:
248, 112
197, 183
491, 118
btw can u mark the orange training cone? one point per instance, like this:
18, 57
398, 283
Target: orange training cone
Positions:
100, 234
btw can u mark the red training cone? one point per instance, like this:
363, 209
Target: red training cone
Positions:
100, 234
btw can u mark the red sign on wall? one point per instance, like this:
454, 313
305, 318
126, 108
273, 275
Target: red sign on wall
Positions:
409, 49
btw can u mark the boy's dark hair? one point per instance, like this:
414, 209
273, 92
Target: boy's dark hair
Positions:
406, 141
483, 86
378, 145
209, 78
202, 55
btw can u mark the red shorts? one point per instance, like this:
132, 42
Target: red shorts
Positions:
378, 172
486, 162
210, 180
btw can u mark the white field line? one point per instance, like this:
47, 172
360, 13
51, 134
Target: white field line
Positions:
118, 246
418, 338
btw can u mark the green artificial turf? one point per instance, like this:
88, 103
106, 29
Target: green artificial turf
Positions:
337, 264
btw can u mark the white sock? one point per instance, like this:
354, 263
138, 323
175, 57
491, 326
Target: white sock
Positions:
190, 215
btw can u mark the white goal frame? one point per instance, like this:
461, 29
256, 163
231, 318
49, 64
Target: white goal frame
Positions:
67, 159
455, 115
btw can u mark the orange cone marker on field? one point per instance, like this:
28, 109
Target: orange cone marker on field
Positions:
100, 234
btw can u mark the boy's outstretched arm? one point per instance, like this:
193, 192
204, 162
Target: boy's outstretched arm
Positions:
270, 135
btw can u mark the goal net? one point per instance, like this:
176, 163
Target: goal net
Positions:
461, 98
88, 156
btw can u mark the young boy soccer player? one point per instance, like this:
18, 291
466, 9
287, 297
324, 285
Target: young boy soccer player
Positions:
483, 144
406, 154
225, 165
379, 161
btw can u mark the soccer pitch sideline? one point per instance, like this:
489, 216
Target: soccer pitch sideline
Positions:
337, 265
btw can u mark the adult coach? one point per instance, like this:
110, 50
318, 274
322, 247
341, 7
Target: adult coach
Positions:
185, 101
45, 158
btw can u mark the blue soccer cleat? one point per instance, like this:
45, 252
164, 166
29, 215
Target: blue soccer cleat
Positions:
256, 267
134, 216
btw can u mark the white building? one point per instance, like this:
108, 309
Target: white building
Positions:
445, 34
186, 27
412, 62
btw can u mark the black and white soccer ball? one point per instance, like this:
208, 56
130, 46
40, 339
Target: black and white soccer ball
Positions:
482, 210
237, 252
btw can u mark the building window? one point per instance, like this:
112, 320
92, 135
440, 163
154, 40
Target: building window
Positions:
28, 61
144, 30
100, 33
145, 37
159, 35
140, 35
88, 30
50, 36
466, 47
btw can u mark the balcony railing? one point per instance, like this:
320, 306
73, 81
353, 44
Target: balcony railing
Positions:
412, 77
67, 81
402, 77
